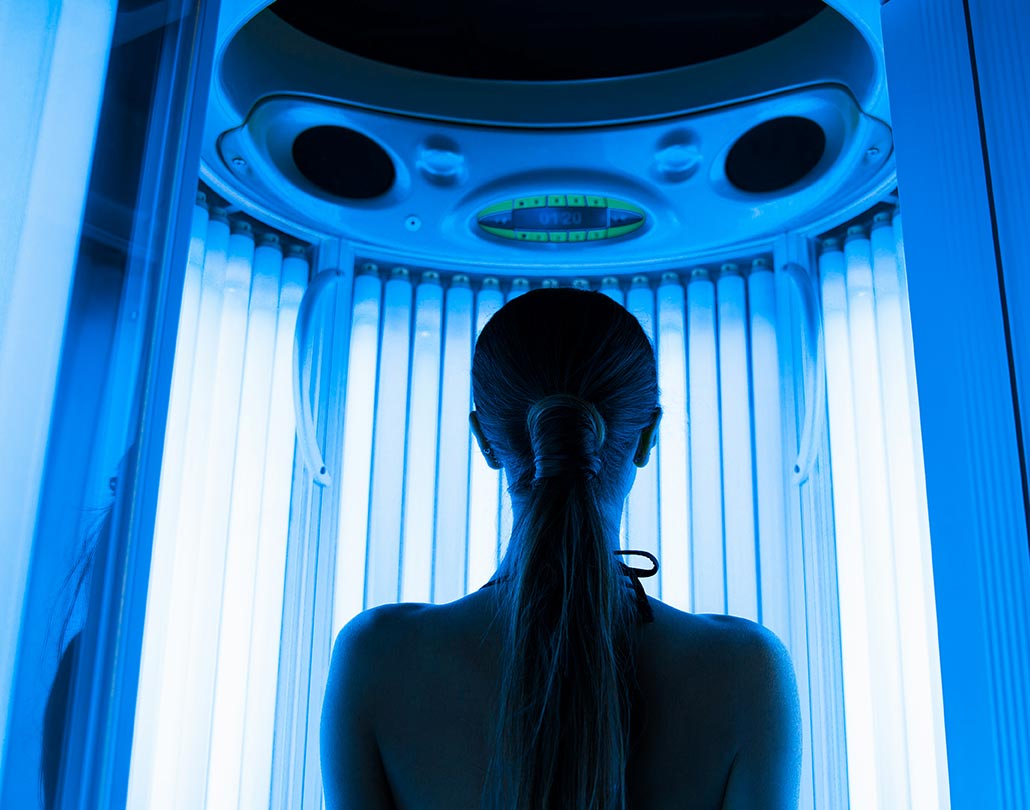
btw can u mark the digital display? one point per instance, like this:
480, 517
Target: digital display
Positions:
565, 217
559, 218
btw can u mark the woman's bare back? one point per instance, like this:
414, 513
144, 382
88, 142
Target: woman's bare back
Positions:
437, 696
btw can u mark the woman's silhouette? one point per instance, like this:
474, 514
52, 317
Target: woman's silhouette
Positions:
561, 686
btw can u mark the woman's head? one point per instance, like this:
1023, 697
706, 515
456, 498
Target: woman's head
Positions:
564, 382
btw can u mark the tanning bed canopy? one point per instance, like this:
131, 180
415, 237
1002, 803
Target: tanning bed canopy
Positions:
446, 136
546, 42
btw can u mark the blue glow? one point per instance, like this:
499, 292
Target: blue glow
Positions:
170, 554
674, 485
735, 433
263, 670
239, 587
391, 410
485, 483
168, 631
217, 746
706, 541
875, 503
420, 469
839, 564
770, 491
859, 707
362, 364
449, 564
610, 287
50, 116
642, 520
209, 563
917, 617
519, 286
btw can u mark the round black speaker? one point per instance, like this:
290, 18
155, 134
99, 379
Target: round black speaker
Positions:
775, 154
343, 162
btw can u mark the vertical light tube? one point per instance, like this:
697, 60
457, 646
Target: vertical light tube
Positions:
770, 470
673, 464
449, 561
484, 483
881, 585
166, 547
391, 412
735, 433
707, 549
856, 658
507, 517
610, 287
642, 504
265, 630
916, 602
519, 286
238, 590
359, 412
170, 688
203, 607
423, 413
182, 374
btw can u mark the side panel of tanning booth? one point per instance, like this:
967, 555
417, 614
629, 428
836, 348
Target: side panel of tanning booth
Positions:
99, 244
959, 76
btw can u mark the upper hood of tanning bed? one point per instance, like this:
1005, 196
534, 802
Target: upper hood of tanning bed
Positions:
668, 143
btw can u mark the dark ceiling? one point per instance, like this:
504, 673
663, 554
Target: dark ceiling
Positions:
535, 40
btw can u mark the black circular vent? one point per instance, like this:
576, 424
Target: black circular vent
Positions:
343, 162
775, 154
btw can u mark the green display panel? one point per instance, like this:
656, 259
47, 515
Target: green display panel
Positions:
561, 218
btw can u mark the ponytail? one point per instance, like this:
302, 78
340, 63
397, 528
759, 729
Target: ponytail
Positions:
567, 612
564, 698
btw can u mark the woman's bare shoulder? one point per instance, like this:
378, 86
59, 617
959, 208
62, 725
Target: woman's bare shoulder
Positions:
725, 630
731, 646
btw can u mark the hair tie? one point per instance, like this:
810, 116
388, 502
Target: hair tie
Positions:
566, 451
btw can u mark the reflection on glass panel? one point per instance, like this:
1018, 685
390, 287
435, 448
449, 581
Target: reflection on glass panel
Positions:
101, 137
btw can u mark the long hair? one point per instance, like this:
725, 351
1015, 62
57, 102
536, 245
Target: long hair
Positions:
564, 381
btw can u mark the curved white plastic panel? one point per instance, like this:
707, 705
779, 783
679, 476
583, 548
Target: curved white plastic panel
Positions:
684, 218
607, 137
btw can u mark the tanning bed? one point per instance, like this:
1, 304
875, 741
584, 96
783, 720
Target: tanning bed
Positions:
370, 188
